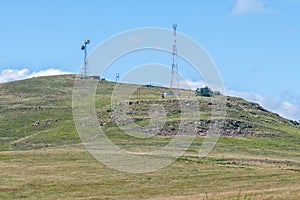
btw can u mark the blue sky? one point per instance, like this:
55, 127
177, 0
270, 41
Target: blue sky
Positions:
254, 43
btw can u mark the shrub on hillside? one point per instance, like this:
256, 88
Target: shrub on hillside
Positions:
206, 92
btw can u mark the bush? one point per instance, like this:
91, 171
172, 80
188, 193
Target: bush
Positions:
206, 92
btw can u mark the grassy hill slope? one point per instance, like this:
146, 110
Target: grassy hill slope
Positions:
37, 113
257, 156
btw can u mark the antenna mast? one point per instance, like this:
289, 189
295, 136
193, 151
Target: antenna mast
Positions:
85, 73
174, 73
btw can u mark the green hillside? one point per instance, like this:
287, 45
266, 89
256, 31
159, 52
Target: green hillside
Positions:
257, 155
37, 113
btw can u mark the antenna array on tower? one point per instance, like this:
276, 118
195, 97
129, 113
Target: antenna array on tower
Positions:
85, 72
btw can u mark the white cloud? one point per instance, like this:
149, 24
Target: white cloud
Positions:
288, 110
7, 75
48, 72
193, 85
250, 6
283, 108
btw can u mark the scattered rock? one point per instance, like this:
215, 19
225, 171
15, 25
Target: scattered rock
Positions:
44, 122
